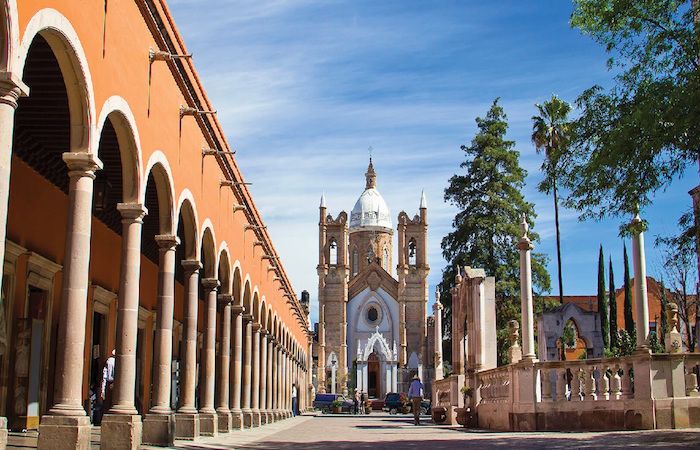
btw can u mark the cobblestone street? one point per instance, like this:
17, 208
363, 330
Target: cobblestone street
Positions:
382, 431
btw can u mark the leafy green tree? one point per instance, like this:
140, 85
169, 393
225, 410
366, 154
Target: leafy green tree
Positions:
568, 339
603, 301
488, 194
629, 318
636, 137
551, 135
613, 309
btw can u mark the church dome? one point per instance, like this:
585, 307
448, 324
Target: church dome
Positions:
370, 210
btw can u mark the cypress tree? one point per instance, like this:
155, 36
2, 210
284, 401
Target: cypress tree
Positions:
629, 320
603, 301
613, 309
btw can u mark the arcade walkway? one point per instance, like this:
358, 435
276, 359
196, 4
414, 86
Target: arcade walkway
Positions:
382, 431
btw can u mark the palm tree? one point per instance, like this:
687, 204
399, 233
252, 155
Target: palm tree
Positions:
551, 134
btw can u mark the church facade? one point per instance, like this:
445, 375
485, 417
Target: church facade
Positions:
372, 324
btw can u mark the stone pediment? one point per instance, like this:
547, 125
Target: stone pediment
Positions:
374, 277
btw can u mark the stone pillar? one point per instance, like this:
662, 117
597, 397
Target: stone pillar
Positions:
187, 418
11, 88
255, 379
159, 423
285, 382
263, 377
121, 426
403, 355
237, 363
641, 303
247, 372
437, 315
269, 377
279, 375
525, 247
222, 406
273, 382
66, 426
321, 368
208, 419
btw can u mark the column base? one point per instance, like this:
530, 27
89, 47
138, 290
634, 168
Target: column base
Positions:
3, 433
120, 432
224, 417
278, 415
236, 419
257, 420
263, 418
64, 433
159, 429
186, 426
247, 419
208, 424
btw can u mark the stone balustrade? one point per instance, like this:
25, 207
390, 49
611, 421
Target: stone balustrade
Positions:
496, 385
606, 379
692, 373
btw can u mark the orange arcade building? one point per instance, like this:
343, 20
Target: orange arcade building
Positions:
140, 288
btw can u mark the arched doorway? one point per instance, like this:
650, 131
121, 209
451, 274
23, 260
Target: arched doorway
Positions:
373, 376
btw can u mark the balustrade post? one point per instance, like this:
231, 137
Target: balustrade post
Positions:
546, 385
589, 374
604, 382
691, 379
616, 383
626, 380
576, 385
561, 385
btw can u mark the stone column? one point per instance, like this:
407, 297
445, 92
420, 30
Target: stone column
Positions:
11, 88
437, 315
247, 372
263, 406
121, 426
255, 379
237, 363
159, 423
285, 380
222, 406
641, 302
187, 418
278, 378
525, 247
269, 377
66, 426
208, 420
321, 368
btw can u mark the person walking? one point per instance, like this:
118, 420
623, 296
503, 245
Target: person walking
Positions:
362, 402
107, 385
356, 401
294, 399
415, 394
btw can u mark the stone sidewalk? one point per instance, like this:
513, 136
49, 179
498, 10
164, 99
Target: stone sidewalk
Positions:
382, 431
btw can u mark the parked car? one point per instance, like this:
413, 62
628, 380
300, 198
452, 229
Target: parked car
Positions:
396, 402
324, 403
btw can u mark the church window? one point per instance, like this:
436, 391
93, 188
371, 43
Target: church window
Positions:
385, 259
355, 262
333, 252
412, 252
372, 314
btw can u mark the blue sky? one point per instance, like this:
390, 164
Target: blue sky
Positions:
303, 88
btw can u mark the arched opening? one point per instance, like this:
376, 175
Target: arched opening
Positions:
373, 375
571, 345
355, 262
208, 272
412, 252
333, 252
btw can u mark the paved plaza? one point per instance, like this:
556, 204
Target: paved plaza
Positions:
382, 431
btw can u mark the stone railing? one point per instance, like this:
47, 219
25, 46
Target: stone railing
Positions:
496, 385
692, 374
586, 380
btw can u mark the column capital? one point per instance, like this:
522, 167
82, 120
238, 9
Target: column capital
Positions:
525, 244
132, 212
225, 299
191, 265
247, 317
167, 241
82, 164
263, 332
237, 309
210, 284
256, 327
12, 88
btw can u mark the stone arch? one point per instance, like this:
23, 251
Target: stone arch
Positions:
269, 324
263, 313
247, 296
237, 286
256, 305
208, 252
65, 44
374, 341
224, 269
159, 167
117, 111
187, 211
